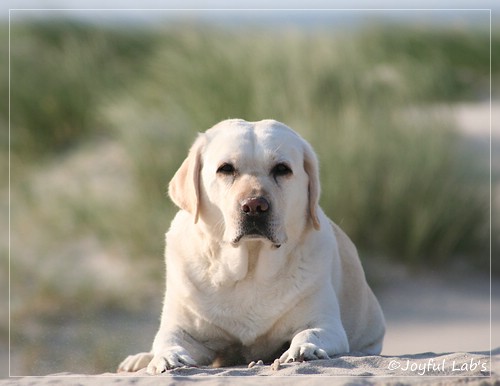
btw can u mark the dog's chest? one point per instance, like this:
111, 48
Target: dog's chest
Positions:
256, 300
249, 309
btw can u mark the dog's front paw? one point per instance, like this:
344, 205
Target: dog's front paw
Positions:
169, 359
135, 362
303, 352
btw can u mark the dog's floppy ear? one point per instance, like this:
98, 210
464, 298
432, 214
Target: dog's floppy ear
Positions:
184, 188
312, 169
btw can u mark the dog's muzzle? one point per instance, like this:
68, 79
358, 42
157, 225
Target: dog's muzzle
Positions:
255, 220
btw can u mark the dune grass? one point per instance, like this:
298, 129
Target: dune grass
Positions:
61, 73
397, 181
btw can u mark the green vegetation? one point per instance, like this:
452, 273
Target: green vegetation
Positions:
60, 74
396, 179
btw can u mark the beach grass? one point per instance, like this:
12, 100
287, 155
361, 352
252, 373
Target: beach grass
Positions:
393, 174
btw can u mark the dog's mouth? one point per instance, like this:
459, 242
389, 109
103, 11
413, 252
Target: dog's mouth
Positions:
255, 230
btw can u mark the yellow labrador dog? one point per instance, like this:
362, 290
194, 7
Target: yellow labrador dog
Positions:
255, 269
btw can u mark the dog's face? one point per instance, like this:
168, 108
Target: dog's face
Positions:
248, 181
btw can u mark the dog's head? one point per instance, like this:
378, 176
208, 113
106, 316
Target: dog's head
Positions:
249, 180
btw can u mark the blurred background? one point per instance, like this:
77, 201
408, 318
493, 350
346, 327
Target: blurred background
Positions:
105, 104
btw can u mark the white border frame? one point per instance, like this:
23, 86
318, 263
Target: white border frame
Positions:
428, 377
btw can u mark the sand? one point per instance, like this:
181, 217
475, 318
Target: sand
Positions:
419, 369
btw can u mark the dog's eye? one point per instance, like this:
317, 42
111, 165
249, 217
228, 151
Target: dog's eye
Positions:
226, 168
281, 169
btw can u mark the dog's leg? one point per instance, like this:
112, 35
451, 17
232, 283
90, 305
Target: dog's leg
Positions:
176, 348
322, 333
316, 343
135, 362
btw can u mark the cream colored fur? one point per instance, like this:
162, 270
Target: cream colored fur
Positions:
297, 293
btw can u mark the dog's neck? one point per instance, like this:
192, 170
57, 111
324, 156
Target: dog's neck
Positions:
249, 260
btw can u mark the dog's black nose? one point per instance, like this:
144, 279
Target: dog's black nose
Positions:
254, 206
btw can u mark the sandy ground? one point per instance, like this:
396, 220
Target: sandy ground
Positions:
427, 368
